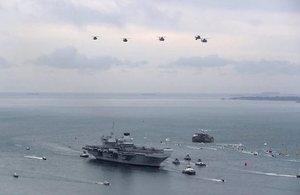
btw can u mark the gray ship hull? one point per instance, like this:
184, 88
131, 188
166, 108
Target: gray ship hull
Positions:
136, 159
123, 151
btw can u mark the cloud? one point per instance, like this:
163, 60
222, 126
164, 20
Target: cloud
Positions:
247, 67
198, 62
269, 67
119, 13
70, 58
264, 5
63, 11
4, 63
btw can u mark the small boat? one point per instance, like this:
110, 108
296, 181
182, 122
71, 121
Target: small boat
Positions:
106, 183
16, 175
189, 170
176, 161
187, 157
44, 158
27, 148
255, 153
298, 176
84, 154
200, 163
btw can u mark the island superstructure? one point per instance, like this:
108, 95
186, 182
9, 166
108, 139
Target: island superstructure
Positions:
123, 150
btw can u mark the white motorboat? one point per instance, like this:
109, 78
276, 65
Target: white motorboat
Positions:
189, 170
187, 157
84, 154
200, 163
176, 161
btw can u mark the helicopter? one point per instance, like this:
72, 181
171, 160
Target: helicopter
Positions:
161, 38
125, 39
203, 40
95, 37
197, 37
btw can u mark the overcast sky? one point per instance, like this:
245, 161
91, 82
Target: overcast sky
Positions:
47, 46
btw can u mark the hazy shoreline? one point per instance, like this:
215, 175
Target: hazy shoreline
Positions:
268, 98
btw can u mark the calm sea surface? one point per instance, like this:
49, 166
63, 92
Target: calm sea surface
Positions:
58, 125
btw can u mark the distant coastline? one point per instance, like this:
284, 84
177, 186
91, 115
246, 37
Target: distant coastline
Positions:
268, 98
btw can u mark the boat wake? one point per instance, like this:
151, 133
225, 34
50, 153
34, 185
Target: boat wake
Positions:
43, 176
193, 147
34, 157
247, 152
293, 160
212, 179
271, 174
173, 169
197, 148
62, 149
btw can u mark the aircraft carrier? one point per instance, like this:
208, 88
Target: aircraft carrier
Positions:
123, 150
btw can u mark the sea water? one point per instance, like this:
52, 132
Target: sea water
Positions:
58, 125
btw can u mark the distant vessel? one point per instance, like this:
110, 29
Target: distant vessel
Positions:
189, 170
84, 154
200, 163
123, 150
187, 157
176, 161
202, 138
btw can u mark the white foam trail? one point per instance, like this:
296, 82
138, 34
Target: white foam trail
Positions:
271, 174
58, 178
209, 148
247, 152
34, 157
213, 179
193, 147
197, 148
293, 160
175, 170
97, 182
268, 155
61, 149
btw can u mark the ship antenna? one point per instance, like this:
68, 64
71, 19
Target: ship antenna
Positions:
112, 129
113, 125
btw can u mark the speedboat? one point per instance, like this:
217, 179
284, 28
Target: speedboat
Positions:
189, 170
84, 154
187, 157
200, 163
298, 176
44, 158
16, 175
176, 161
106, 183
